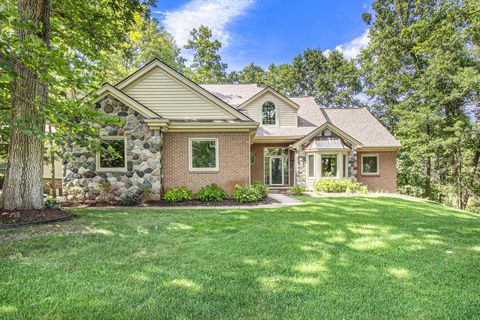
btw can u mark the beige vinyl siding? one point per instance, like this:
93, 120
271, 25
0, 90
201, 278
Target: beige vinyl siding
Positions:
171, 99
287, 115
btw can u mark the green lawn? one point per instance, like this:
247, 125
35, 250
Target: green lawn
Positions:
335, 258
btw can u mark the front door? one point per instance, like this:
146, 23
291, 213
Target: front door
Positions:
276, 170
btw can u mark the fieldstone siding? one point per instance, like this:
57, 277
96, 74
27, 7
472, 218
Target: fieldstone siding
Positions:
143, 157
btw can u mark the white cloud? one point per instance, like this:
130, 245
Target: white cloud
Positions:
352, 48
216, 14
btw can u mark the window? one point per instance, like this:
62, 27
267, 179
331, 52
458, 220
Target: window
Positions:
370, 164
203, 154
113, 154
329, 165
311, 165
269, 113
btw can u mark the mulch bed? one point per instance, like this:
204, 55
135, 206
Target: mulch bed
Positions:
191, 203
18, 218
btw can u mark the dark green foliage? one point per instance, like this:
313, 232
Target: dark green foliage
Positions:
421, 72
2, 178
130, 200
261, 188
177, 195
211, 193
246, 194
51, 203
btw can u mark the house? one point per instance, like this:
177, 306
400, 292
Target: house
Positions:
180, 133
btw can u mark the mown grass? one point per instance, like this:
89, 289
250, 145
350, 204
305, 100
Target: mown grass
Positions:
335, 258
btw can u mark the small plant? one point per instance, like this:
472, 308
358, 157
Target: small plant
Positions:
246, 194
130, 200
339, 185
298, 191
106, 190
261, 188
177, 195
211, 193
145, 193
2, 180
51, 203
77, 193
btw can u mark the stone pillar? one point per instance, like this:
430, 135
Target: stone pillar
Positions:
352, 161
300, 169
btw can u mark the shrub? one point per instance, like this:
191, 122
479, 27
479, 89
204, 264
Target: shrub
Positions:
51, 203
77, 193
130, 200
261, 188
2, 180
106, 190
297, 190
339, 185
146, 194
177, 195
211, 193
246, 194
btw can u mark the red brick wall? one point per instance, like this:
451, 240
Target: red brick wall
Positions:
387, 178
258, 167
234, 162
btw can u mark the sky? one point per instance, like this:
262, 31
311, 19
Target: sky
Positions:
268, 31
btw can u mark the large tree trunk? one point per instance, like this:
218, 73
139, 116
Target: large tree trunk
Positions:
23, 187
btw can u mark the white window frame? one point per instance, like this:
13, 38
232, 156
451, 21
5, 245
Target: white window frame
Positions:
370, 155
190, 154
276, 115
311, 175
112, 169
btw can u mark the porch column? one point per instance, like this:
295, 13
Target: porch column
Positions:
352, 164
300, 168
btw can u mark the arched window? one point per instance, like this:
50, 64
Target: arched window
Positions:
269, 113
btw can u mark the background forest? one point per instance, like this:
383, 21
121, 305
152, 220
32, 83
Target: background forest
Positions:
419, 74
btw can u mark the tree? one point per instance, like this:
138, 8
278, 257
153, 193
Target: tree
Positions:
207, 66
49, 52
339, 85
146, 41
252, 74
421, 72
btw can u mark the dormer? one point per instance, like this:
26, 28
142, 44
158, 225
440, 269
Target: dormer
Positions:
271, 109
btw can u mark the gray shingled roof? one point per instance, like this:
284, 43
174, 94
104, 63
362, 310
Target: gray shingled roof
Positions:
358, 123
233, 94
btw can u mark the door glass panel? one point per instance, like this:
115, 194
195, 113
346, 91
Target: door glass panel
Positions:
276, 168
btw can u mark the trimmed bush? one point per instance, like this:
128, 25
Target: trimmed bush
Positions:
145, 193
246, 194
339, 185
297, 190
130, 200
261, 188
211, 193
177, 195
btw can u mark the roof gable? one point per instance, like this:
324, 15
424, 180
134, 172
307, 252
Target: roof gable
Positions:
331, 127
265, 91
108, 89
174, 96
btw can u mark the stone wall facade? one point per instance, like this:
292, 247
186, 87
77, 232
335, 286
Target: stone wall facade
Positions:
234, 163
143, 157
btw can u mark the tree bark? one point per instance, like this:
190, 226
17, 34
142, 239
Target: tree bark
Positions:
23, 187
